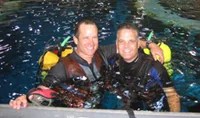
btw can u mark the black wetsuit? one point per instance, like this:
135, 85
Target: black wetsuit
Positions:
83, 78
143, 80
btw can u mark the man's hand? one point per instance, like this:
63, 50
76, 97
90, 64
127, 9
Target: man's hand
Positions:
20, 102
156, 52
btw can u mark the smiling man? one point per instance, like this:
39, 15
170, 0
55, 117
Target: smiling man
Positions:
145, 79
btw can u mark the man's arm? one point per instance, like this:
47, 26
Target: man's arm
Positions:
156, 51
173, 99
55, 75
170, 92
21, 101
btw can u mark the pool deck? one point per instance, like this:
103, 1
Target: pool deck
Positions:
56, 112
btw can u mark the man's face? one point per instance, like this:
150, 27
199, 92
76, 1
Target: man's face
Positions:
87, 40
127, 44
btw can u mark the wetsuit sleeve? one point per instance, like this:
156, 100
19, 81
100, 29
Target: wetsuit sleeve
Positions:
159, 72
55, 75
108, 50
172, 96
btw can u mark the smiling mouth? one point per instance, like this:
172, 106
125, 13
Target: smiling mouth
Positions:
127, 51
90, 48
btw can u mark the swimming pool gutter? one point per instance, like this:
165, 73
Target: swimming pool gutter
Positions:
56, 112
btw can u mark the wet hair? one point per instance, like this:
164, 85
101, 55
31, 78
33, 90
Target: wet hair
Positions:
83, 21
127, 26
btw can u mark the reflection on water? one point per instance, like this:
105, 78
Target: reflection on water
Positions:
28, 29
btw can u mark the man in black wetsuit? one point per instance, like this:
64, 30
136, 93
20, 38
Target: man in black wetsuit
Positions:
144, 82
76, 73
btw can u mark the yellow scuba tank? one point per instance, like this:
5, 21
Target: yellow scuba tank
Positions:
166, 52
51, 57
167, 56
48, 60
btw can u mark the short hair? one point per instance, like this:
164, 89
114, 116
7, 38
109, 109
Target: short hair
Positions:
83, 21
127, 26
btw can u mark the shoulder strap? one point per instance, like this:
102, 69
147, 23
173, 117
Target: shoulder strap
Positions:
92, 76
72, 67
144, 70
145, 65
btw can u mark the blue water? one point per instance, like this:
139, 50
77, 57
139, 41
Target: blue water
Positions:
24, 33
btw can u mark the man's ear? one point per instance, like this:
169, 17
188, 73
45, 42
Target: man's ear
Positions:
75, 40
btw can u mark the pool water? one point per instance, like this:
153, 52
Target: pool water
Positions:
25, 32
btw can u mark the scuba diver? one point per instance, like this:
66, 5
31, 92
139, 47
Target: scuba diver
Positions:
75, 80
139, 82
